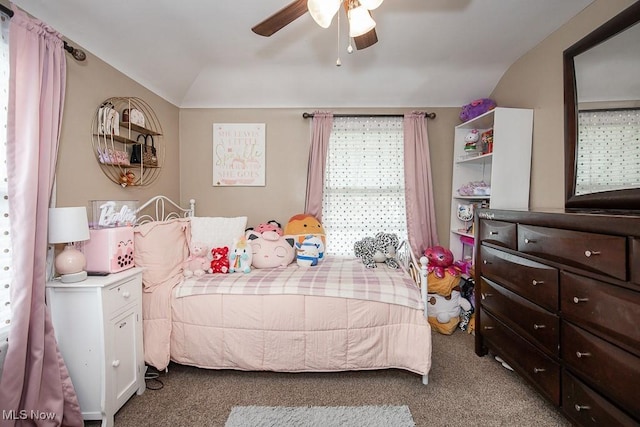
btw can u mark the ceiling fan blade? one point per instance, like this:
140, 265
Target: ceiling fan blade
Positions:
281, 18
366, 40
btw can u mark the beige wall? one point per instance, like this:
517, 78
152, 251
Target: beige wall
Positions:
79, 177
535, 81
287, 142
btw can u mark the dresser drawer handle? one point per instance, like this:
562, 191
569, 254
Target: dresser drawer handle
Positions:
589, 254
538, 370
529, 241
535, 282
580, 355
488, 328
126, 294
115, 363
486, 295
582, 407
485, 262
577, 300
493, 233
536, 326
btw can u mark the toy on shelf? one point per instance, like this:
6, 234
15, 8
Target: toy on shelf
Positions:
487, 141
471, 141
476, 108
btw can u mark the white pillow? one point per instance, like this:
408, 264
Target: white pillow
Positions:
218, 231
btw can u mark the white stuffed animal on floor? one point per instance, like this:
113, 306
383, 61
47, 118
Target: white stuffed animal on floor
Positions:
443, 313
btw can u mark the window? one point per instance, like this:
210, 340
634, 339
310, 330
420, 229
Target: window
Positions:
364, 181
5, 240
602, 136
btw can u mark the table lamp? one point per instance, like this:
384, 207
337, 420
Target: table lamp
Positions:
69, 225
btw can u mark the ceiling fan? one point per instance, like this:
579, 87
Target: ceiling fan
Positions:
361, 24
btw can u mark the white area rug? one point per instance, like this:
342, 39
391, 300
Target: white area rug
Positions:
320, 416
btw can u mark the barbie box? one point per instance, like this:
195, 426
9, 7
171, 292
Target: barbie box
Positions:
109, 249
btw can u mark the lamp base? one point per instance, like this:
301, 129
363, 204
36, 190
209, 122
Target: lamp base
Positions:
73, 277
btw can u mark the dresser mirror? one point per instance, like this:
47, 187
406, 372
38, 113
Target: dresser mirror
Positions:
602, 116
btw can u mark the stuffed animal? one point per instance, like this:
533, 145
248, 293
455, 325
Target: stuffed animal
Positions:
444, 312
308, 252
240, 256
197, 264
302, 225
269, 249
381, 248
271, 225
471, 140
440, 260
220, 260
476, 108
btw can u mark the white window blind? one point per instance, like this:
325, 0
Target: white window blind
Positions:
5, 238
602, 136
364, 181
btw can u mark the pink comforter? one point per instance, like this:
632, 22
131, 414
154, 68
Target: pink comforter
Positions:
289, 333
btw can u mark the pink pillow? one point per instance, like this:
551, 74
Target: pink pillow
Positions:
160, 248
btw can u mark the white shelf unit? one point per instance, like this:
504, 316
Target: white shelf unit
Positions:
507, 169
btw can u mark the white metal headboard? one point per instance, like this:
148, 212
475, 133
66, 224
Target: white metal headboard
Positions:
165, 209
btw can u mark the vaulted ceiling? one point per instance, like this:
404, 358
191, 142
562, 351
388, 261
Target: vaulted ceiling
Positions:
197, 53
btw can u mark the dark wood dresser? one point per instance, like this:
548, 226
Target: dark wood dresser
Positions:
558, 297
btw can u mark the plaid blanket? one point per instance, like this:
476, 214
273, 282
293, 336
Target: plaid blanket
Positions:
332, 277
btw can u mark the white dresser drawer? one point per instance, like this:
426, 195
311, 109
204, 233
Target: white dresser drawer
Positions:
121, 295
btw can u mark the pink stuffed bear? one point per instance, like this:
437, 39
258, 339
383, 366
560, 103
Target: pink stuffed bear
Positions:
197, 264
220, 261
440, 260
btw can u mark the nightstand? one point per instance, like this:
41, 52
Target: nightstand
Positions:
98, 326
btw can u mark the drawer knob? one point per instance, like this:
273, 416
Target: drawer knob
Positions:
589, 254
529, 241
486, 295
115, 363
488, 328
535, 282
538, 370
580, 355
126, 294
493, 233
582, 407
485, 262
577, 300
536, 326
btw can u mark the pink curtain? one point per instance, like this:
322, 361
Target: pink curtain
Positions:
34, 379
421, 216
321, 128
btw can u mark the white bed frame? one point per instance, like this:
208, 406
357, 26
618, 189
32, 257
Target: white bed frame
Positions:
166, 209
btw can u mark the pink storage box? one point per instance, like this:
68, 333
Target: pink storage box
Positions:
109, 249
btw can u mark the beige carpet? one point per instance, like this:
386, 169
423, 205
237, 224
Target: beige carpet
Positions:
463, 390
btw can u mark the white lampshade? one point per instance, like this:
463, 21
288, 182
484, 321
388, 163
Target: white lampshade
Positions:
323, 11
371, 4
69, 225
360, 21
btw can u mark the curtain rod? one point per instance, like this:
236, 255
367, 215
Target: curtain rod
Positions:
426, 115
78, 54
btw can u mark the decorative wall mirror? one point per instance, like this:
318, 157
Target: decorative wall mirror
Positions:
602, 116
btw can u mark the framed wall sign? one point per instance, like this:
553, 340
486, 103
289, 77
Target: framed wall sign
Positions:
239, 154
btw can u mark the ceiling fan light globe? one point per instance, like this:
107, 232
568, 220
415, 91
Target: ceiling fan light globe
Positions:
323, 11
371, 4
360, 22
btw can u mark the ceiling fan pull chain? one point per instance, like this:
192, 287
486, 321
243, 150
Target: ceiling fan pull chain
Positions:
338, 61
